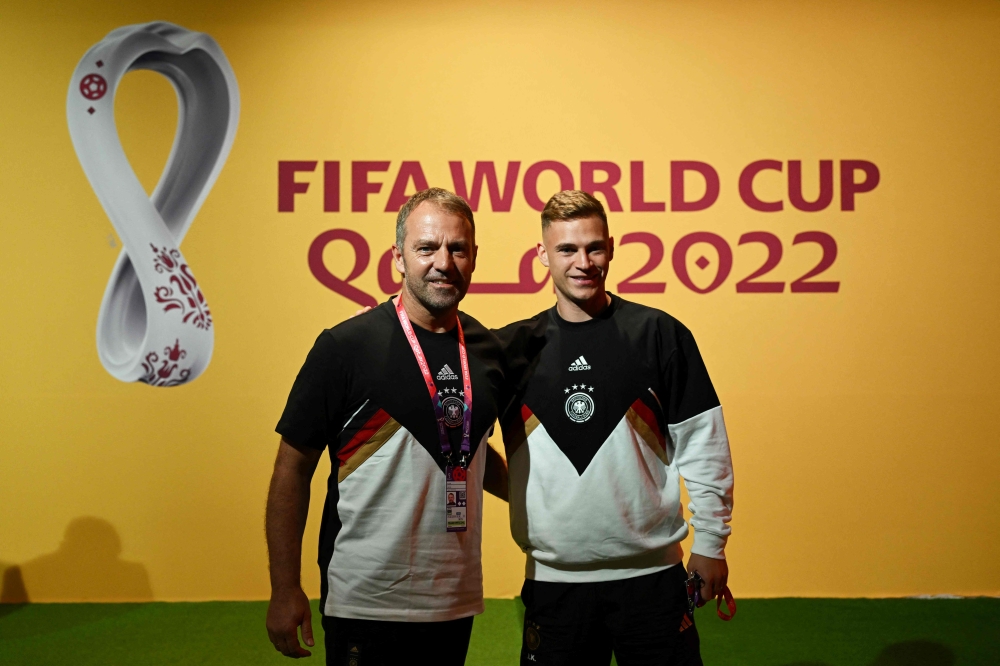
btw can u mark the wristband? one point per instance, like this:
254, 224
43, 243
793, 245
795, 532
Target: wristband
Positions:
154, 325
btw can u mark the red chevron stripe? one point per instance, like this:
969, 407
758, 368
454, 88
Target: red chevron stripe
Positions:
367, 431
647, 415
525, 413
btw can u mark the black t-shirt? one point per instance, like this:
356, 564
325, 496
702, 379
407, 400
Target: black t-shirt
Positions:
360, 393
367, 359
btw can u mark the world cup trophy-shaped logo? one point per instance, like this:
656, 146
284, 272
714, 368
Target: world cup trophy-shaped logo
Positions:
154, 324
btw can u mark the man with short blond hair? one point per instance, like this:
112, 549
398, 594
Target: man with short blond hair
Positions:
613, 405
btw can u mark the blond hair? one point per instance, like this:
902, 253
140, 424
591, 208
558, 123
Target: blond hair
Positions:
572, 205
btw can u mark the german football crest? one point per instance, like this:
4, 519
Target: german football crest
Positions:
579, 407
454, 411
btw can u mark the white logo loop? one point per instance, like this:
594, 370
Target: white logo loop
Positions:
154, 325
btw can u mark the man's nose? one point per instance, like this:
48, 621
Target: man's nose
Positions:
443, 261
582, 260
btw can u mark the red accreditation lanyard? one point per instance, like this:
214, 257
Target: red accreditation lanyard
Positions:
730, 604
425, 370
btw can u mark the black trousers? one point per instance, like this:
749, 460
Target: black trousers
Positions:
643, 620
376, 643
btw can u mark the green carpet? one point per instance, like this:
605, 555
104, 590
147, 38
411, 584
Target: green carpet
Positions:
778, 632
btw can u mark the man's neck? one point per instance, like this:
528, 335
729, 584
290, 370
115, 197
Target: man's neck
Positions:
574, 311
419, 315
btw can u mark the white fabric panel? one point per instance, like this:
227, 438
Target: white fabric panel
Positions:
703, 459
621, 518
393, 559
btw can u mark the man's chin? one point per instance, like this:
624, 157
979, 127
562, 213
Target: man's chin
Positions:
580, 295
439, 300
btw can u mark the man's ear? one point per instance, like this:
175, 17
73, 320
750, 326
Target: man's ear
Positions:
475, 253
543, 256
397, 259
611, 248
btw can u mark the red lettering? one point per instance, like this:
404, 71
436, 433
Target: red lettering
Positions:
849, 187
638, 186
795, 196
486, 171
360, 187
331, 187
342, 286
606, 187
679, 259
407, 171
677, 201
288, 187
531, 181
746, 186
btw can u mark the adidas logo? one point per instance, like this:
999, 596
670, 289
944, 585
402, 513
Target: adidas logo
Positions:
446, 373
579, 364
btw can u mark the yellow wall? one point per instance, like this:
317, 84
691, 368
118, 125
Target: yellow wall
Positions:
861, 422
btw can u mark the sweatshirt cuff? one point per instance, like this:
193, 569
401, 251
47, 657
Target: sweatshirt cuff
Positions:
707, 544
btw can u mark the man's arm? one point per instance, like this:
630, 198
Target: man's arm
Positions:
287, 508
701, 454
495, 478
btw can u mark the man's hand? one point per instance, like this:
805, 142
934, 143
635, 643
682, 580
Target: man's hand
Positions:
715, 574
285, 520
286, 612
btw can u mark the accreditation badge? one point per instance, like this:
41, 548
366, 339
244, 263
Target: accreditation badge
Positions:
456, 509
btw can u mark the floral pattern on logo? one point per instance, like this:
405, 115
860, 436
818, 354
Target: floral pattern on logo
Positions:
168, 373
182, 292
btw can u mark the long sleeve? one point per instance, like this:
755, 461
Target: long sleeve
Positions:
701, 447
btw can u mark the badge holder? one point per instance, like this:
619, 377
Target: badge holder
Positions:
456, 498
694, 584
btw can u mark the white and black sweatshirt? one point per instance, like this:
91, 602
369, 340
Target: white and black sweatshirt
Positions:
608, 415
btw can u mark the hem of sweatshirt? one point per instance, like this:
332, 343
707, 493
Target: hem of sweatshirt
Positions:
596, 572
405, 614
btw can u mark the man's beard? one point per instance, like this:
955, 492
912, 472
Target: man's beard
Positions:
432, 299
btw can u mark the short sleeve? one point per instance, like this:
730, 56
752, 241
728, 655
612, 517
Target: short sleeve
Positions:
688, 386
315, 406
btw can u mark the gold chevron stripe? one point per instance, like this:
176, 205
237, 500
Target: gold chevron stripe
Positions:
366, 450
646, 434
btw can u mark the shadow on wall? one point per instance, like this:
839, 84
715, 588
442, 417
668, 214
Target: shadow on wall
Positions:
907, 653
86, 567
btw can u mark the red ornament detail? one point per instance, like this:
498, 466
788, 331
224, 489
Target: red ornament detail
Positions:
702, 263
93, 86
168, 373
100, 63
182, 292
90, 110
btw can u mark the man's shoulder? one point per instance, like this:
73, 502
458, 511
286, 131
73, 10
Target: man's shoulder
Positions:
369, 328
477, 337
524, 328
636, 316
